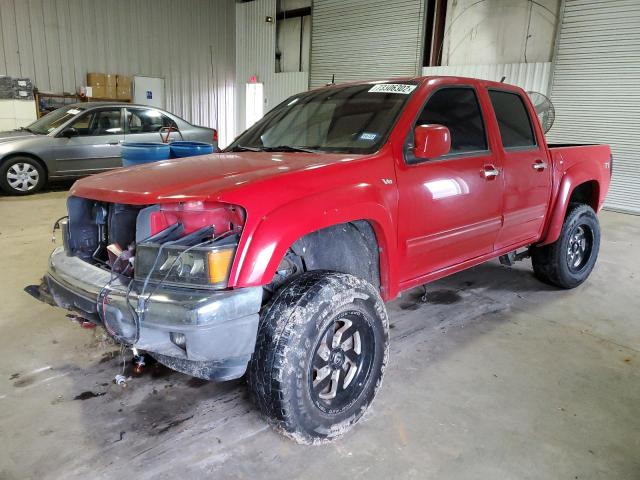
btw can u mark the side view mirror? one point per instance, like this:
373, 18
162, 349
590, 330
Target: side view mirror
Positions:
431, 141
70, 132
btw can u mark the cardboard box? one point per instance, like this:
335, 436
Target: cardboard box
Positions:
124, 93
96, 79
111, 91
111, 79
98, 91
123, 80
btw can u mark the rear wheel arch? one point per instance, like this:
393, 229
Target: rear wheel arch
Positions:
587, 193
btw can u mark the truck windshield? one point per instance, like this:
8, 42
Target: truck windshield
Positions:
352, 119
53, 120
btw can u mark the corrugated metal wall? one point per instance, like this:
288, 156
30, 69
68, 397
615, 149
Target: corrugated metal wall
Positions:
190, 43
596, 88
256, 47
499, 31
529, 76
365, 39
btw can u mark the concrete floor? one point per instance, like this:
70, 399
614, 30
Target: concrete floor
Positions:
497, 377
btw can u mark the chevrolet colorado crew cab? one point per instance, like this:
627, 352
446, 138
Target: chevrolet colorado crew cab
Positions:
276, 256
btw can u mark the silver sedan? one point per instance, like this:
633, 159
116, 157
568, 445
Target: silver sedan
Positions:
85, 138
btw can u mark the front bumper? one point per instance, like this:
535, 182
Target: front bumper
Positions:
219, 327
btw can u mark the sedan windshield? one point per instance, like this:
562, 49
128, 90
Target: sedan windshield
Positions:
53, 120
352, 119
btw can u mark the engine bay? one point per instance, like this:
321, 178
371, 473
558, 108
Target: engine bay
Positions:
109, 235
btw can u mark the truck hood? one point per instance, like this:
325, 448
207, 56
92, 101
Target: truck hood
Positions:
205, 177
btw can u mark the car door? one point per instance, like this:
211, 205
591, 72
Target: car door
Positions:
449, 207
149, 125
527, 176
91, 143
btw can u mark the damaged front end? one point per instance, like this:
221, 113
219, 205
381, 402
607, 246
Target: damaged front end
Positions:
155, 276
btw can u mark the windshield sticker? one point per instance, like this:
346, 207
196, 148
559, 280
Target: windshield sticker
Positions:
402, 88
73, 111
368, 136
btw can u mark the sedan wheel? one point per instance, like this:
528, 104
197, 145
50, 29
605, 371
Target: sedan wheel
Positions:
21, 176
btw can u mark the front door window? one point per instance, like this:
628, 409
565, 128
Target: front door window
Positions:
99, 122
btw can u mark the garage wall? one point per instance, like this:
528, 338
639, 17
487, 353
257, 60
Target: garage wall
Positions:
499, 31
256, 55
190, 43
529, 76
596, 88
365, 39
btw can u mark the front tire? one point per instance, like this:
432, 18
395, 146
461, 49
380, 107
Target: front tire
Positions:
22, 176
320, 356
568, 261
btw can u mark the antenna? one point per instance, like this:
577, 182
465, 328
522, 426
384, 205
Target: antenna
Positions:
504, 77
333, 80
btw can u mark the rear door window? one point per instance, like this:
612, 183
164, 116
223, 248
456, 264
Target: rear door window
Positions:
513, 120
147, 120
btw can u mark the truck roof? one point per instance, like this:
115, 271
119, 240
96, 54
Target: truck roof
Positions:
422, 79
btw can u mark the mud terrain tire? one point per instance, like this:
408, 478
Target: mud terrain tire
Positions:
568, 261
321, 351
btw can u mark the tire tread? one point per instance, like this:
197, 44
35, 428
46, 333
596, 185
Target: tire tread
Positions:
547, 260
269, 369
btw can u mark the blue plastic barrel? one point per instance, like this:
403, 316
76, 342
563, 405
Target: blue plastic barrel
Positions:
190, 149
143, 152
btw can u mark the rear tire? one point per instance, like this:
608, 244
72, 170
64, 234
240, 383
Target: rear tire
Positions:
567, 262
22, 176
320, 355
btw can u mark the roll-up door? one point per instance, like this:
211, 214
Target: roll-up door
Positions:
596, 88
361, 39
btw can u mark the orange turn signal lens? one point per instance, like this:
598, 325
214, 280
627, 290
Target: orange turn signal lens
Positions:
220, 264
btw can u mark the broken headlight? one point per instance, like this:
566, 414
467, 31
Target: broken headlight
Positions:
178, 265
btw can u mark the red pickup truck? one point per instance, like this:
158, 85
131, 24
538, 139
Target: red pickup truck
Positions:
275, 257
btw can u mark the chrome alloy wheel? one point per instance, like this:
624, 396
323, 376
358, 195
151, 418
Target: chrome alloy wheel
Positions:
579, 247
341, 362
22, 176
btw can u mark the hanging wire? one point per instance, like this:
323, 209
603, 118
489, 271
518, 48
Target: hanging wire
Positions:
526, 40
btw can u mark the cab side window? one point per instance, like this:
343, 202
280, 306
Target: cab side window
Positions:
457, 109
514, 122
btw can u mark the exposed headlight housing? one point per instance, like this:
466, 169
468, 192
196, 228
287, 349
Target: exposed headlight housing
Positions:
177, 265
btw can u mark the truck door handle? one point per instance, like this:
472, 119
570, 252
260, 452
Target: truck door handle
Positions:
490, 172
539, 165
